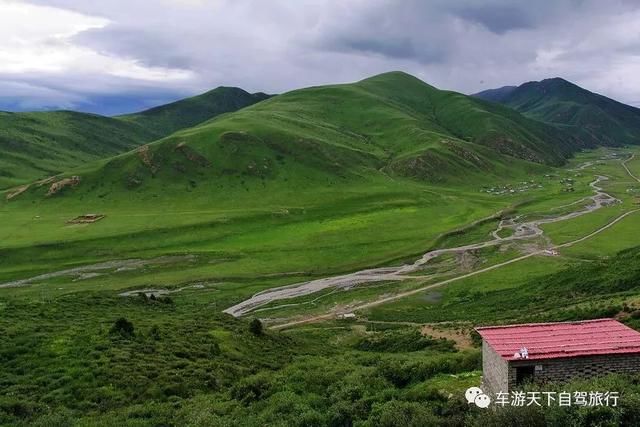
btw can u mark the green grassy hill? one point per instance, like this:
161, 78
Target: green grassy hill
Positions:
324, 172
496, 95
37, 145
120, 321
392, 124
185, 113
593, 119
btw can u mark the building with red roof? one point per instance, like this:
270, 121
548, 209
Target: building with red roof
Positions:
556, 352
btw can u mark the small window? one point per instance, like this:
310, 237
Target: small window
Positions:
524, 374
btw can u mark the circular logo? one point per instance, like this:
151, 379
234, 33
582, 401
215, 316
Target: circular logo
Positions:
482, 401
472, 393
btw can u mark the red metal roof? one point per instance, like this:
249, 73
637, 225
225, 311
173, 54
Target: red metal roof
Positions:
564, 339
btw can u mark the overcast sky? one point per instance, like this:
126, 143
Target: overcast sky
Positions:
122, 55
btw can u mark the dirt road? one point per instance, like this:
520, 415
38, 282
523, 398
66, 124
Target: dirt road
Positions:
624, 165
99, 269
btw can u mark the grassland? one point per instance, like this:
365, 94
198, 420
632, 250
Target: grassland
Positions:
526, 284
292, 188
38, 145
300, 187
440, 305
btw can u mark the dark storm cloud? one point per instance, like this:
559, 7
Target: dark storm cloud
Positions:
152, 48
400, 48
104, 96
498, 18
156, 51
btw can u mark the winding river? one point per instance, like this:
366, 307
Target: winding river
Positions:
521, 231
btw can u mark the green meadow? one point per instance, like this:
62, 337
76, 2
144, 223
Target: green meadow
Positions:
120, 321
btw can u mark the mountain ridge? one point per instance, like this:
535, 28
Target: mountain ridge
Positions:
391, 122
35, 145
592, 118
389, 125
188, 112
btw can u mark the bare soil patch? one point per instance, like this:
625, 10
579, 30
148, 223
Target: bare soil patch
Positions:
17, 191
146, 156
192, 155
86, 219
459, 335
46, 181
58, 186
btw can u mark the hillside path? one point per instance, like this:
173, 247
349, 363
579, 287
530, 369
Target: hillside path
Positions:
624, 165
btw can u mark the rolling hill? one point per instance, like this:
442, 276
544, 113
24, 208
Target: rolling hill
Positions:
495, 95
185, 113
37, 145
116, 318
593, 119
391, 124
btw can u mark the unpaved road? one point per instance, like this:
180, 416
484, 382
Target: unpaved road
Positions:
95, 270
624, 165
524, 230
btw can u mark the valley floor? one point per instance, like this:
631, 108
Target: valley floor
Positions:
525, 239
484, 255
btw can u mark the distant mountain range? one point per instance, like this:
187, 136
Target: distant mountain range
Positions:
390, 125
593, 119
393, 123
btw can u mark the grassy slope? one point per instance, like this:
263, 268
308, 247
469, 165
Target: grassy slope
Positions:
593, 118
187, 364
320, 173
528, 292
37, 145
392, 122
321, 205
166, 119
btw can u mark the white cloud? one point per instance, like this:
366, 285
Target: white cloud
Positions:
26, 23
39, 39
34, 38
187, 46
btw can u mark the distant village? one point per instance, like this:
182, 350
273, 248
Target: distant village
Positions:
520, 187
525, 186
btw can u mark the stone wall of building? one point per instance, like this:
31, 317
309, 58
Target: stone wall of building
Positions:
494, 370
566, 369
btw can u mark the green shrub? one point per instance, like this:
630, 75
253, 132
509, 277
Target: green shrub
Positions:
402, 340
402, 414
255, 327
253, 388
154, 332
122, 327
